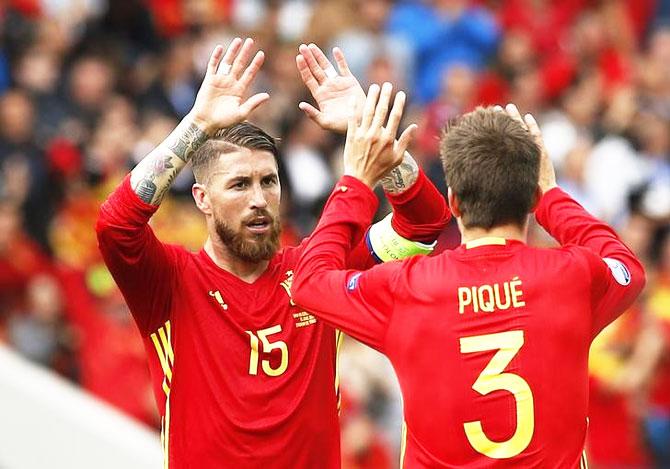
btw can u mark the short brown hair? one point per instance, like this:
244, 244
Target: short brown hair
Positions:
227, 140
491, 163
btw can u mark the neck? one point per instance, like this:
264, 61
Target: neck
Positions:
222, 257
510, 231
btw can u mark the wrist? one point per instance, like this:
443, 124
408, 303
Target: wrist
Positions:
402, 177
362, 178
201, 123
187, 137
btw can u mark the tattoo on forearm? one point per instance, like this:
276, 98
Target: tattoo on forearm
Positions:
402, 177
183, 144
146, 190
166, 187
153, 176
158, 175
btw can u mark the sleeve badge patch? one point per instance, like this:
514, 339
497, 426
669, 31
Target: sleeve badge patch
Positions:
353, 281
619, 271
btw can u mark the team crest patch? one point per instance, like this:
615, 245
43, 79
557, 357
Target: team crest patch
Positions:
619, 271
353, 282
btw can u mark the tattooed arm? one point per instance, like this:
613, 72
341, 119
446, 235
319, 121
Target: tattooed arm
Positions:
153, 176
420, 212
401, 178
146, 270
220, 103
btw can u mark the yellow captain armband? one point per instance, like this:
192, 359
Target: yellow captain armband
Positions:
387, 245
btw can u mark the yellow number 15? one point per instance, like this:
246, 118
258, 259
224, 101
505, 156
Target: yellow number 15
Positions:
268, 347
493, 378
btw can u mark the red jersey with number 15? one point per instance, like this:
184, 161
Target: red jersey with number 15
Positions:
490, 341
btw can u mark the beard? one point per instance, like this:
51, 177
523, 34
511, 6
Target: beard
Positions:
250, 247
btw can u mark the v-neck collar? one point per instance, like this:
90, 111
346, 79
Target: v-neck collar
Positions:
261, 278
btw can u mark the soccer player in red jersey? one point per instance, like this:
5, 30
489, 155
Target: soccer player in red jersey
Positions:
244, 378
490, 341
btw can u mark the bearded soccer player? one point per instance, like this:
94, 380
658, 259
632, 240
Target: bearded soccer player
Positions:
490, 341
243, 376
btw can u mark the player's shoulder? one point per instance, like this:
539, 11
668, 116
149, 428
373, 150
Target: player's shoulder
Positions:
576, 252
417, 271
569, 259
181, 255
289, 255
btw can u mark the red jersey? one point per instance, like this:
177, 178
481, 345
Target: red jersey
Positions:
490, 341
243, 377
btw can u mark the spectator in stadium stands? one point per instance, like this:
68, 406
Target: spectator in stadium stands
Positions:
470, 32
20, 259
367, 40
173, 93
657, 418
621, 360
40, 332
25, 161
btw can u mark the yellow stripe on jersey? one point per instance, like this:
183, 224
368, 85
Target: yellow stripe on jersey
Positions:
583, 462
403, 443
166, 438
167, 346
166, 387
339, 337
162, 340
161, 356
485, 241
163, 441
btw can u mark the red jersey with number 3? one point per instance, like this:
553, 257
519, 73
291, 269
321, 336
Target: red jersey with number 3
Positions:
490, 341
243, 377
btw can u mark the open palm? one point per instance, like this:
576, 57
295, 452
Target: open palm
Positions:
221, 100
331, 90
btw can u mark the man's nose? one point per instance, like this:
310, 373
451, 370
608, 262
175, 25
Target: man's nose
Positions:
258, 197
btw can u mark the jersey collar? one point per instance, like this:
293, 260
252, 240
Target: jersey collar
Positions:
486, 241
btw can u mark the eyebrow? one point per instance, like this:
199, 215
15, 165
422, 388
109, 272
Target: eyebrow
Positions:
242, 178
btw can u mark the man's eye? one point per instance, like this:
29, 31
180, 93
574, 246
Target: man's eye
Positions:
271, 181
240, 185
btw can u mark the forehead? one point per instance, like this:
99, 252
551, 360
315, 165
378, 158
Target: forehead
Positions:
245, 162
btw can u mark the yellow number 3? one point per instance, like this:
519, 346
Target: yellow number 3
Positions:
493, 378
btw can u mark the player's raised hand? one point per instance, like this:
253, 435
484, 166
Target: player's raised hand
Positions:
371, 149
332, 89
547, 179
221, 100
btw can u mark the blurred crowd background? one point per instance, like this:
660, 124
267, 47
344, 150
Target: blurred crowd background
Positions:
88, 87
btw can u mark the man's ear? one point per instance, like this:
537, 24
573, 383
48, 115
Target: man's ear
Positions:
536, 199
201, 198
453, 203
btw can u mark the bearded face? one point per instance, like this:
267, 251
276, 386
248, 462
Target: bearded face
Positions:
256, 238
241, 195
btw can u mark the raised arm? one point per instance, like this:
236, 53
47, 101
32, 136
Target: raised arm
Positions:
617, 276
420, 212
146, 270
358, 303
220, 103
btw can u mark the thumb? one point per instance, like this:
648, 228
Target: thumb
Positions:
253, 102
312, 112
405, 139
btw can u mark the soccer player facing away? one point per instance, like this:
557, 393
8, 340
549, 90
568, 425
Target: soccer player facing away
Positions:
243, 377
490, 341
